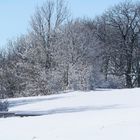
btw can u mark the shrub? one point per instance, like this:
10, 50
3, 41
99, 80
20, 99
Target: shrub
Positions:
4, 105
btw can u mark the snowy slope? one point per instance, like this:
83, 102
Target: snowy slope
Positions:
94, 115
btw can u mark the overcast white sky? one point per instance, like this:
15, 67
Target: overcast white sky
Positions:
15, 14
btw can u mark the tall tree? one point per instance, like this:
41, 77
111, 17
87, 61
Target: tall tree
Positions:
47, 20
122, 24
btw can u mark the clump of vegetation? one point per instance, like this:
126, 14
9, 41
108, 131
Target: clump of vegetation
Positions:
4, 105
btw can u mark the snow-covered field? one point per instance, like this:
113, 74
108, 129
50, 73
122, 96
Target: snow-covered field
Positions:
94, 115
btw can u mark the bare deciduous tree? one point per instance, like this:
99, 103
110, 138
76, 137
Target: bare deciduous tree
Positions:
47, 20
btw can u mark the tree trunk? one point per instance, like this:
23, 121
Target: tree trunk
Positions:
138, 76
128, 81
128, 72
66, 78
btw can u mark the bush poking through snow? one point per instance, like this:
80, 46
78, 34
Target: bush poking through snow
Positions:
4, 105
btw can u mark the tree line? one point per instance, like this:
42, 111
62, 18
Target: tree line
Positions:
59, 53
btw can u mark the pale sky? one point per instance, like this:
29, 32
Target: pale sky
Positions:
15, 14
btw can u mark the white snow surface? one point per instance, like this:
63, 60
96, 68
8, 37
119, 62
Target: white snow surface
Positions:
93, 115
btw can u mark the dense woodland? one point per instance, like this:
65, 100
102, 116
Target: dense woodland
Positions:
60, 53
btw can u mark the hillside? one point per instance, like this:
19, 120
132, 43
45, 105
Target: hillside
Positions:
93, 115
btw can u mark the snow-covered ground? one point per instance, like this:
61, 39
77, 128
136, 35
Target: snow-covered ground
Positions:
94, 115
